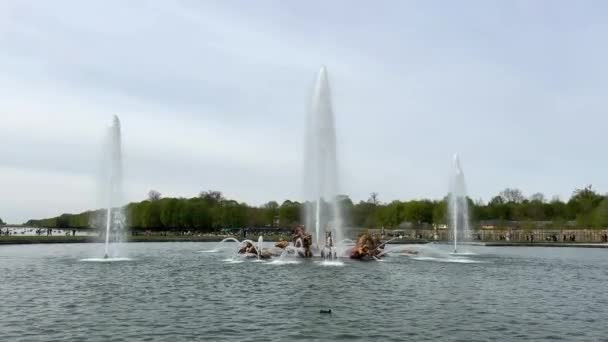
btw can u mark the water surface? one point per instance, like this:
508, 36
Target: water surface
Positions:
171, 292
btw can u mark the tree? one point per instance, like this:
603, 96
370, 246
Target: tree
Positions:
271, 212
232, 214
537, 197
536, 209
186, 214
212, 197
512, 195
418, 211
345, 205
600, 217
167, 208
498, 209
364, 214
2, 223
440, 212
255, 217
154, 195
201, 218
151, 215
133, 216
392, 214
373, 198
582, 203
210, 210
289, 213
557, 210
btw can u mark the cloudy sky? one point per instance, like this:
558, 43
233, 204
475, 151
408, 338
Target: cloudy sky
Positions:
213, 95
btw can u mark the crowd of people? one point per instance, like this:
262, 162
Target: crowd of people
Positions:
36, 231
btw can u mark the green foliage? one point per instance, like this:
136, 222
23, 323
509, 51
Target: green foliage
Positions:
582, 204
440, 212
289, 213
419, 211
271, 212
211, 211
167, 209
600, 214
81, 220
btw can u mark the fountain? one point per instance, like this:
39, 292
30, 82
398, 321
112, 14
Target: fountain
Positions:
112, 218
321, 170
260, 245
458, 207
111, 186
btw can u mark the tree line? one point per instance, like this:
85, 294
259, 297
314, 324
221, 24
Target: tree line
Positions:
210, 211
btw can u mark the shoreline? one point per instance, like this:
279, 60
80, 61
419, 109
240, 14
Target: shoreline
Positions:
31, 240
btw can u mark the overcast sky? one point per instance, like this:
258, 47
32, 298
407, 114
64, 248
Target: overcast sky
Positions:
213, 95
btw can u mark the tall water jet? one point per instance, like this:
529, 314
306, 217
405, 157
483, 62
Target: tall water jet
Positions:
320, 165
260, 245
111, 186
458, 207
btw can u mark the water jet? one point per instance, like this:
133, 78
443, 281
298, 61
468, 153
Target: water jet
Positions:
320, 164
458, 207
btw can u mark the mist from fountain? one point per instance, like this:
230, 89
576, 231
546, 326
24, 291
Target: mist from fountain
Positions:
110, 194
320, 165
458, 207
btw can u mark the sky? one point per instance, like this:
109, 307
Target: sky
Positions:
214, 95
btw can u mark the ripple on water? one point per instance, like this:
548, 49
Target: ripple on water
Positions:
283, 262
105, 259
177, 295
454, 260
463, 253
331, 263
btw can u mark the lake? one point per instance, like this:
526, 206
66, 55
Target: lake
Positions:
173, 292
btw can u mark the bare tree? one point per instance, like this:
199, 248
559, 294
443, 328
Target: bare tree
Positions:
154, 195
538, 197
373, 198
512, 195
211, 196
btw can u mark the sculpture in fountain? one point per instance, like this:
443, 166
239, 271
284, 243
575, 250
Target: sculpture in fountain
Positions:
367, 247
302, 241
329, 250
282, 244
249, 250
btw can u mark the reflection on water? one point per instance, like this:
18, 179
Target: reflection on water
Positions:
105, 259
170, 292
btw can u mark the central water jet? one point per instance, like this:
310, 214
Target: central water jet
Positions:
320, 165
111, 185
458, 206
